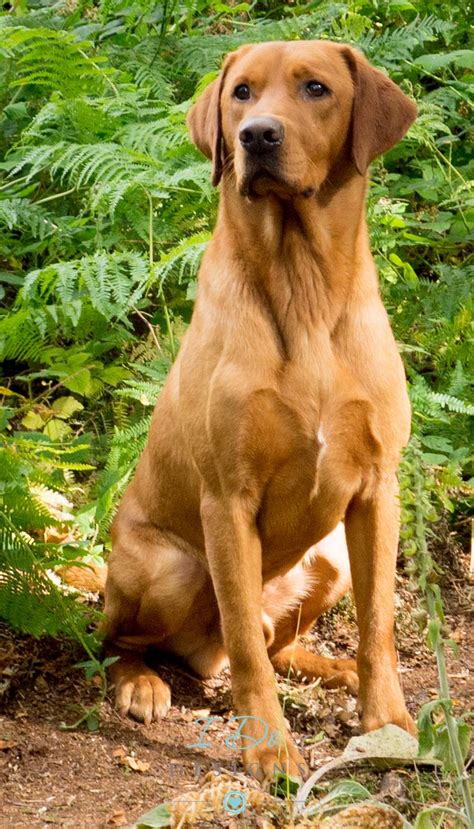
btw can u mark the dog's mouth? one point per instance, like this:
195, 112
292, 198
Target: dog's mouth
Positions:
261, 182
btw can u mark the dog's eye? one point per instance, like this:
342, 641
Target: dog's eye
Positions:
242, 92
315, 89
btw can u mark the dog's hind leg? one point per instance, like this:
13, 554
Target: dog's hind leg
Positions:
151, 587
312, 588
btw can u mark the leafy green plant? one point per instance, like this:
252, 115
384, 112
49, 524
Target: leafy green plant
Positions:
449, 737
106, 209
38, 534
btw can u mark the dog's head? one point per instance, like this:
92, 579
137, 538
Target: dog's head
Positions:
281, 115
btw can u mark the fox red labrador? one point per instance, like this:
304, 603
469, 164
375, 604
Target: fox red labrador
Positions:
278, 432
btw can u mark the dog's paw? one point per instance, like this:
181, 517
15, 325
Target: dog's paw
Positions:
401, 718
145, 697
344, 676
265, 763
386, 709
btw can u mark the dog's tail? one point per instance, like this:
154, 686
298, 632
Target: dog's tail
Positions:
90, 577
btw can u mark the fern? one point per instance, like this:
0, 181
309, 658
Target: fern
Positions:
55, 60
184, 259
29, 599
388, 49
452, 404
112, 283
106, 209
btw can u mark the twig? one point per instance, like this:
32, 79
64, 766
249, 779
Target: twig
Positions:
150, 328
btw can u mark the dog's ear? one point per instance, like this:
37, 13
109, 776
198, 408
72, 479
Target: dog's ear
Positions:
205, 118
381, 112
205, 126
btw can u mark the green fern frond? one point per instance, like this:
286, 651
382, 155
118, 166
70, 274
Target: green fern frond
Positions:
145, 393
200, 55
452, 404
56, 60
458, 382
29, 600
21, 214
23, 334
387, 48
112, 282
184, 259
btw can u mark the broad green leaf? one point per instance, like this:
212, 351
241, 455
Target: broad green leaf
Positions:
156, 818
425, 724
93, 722
80, 383
345, 790
284, 786
389, 743
401, 5
438, 443
460, 57
32, 420
5, 415
64, 407
57, 429
113, 375
423, 820
434, 459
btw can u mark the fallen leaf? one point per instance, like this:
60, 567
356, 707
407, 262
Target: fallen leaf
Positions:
364, 814
119, 752
331, 730
6, 744
132, 763
6, 656
160, 816
201, 712
387, 746
117, 818
393, 786
41, 685
58, 535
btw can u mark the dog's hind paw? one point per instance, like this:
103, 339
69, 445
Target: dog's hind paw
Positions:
344, 676
145, 697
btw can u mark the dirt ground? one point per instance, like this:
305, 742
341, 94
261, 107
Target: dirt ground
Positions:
78, 779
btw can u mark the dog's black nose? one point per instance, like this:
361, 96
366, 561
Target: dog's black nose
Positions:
261, 135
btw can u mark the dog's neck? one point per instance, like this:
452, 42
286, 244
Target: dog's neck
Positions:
304, 257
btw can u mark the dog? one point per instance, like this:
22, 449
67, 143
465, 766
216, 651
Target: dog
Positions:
273, 450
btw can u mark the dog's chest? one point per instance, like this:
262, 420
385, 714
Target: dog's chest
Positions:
313, 452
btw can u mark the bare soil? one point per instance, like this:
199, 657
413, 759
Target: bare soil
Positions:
77, 779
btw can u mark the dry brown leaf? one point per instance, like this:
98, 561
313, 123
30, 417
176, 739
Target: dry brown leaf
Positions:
119, 752
58, 535
201, 712
6, 744
117, 818
363, 816
6, 656
134, 764
331, 730
41, 685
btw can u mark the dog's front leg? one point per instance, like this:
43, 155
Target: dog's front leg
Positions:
235, 560
372, 527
